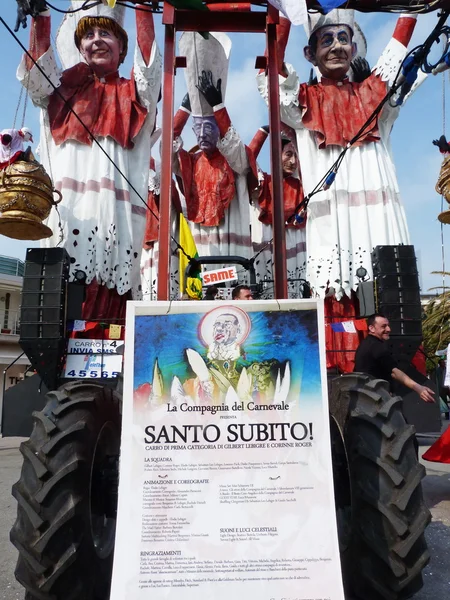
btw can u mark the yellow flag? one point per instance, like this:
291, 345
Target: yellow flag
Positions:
193, 285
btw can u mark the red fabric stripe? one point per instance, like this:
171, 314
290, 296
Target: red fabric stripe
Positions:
223, 121
257, 142
179, 121
404, 29
145, 31
39, 39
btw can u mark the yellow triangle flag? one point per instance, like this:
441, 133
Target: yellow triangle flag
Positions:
193, 285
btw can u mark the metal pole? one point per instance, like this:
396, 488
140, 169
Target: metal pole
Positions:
279, 238
166, 153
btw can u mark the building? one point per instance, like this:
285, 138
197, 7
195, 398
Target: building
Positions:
13, 362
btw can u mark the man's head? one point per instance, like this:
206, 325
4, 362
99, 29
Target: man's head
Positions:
331, 50
226, 329
102, 42
207, 133
378, 326
289, 158
242, 292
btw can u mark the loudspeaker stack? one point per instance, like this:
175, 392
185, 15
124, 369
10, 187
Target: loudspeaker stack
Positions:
43, 311
397, 296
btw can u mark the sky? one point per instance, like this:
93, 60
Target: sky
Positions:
422, 119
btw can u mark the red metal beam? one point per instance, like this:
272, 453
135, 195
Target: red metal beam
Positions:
198, 20
279, 228
166, 153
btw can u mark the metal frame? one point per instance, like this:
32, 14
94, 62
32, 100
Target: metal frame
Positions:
227, 21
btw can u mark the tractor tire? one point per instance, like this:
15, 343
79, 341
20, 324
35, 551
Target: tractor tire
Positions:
383, 547
67, 495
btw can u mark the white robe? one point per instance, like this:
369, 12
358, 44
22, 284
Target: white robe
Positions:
362, 209
232, 236
102, 218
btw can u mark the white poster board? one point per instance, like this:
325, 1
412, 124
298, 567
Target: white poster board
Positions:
226, 486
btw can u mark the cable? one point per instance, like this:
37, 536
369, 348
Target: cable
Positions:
86, 128
87, 4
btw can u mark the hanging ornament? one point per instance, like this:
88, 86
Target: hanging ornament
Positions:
443, 182
26, 198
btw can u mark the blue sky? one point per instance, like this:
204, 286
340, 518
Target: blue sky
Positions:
421, 119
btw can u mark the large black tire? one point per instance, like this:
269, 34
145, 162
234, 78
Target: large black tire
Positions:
67, 495
383, 547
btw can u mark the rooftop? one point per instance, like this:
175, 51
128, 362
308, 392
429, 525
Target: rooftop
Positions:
11, 266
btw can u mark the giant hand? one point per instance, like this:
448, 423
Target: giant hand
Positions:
212, 94
361, 69
28, 7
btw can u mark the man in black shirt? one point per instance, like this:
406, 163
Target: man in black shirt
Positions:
373, 357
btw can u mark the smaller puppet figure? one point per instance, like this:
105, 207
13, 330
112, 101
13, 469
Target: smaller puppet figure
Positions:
12, 145
262, 233
214, 177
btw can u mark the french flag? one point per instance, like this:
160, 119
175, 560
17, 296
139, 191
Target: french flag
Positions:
349, 326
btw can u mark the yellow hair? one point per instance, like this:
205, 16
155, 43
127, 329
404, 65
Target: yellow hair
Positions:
87, 23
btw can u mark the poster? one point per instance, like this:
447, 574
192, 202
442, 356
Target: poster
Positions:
225, 475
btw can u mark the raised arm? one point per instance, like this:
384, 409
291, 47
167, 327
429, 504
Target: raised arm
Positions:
258, 140
289, 84
145, 30
39, 38
230, 144
38, 86
390, 60
147, 67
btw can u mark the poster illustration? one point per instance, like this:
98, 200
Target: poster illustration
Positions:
226, 484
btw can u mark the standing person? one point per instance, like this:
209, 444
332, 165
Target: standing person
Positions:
374, 358
242, 292
102, 214
211, 293
442, 388
262, 232
214, 175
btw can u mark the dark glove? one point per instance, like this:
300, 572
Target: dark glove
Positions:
312, 78
28, 7
22, 12
266, 128
442, 144
212, 94
361, 69
186, 103
37, 6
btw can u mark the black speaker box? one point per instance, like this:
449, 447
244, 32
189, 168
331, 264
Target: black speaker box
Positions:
393, 259
44, 294
396, 312
43, 311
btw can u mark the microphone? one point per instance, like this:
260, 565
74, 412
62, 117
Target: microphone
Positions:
407, 78
442, 66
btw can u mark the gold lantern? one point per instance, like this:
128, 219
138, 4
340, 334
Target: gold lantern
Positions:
26, 198
443, 188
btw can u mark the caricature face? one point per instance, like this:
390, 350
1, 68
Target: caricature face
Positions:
225, 329
101, 49
289, 160
207, 133
334, 51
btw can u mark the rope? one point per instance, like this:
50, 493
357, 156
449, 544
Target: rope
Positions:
442, 198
